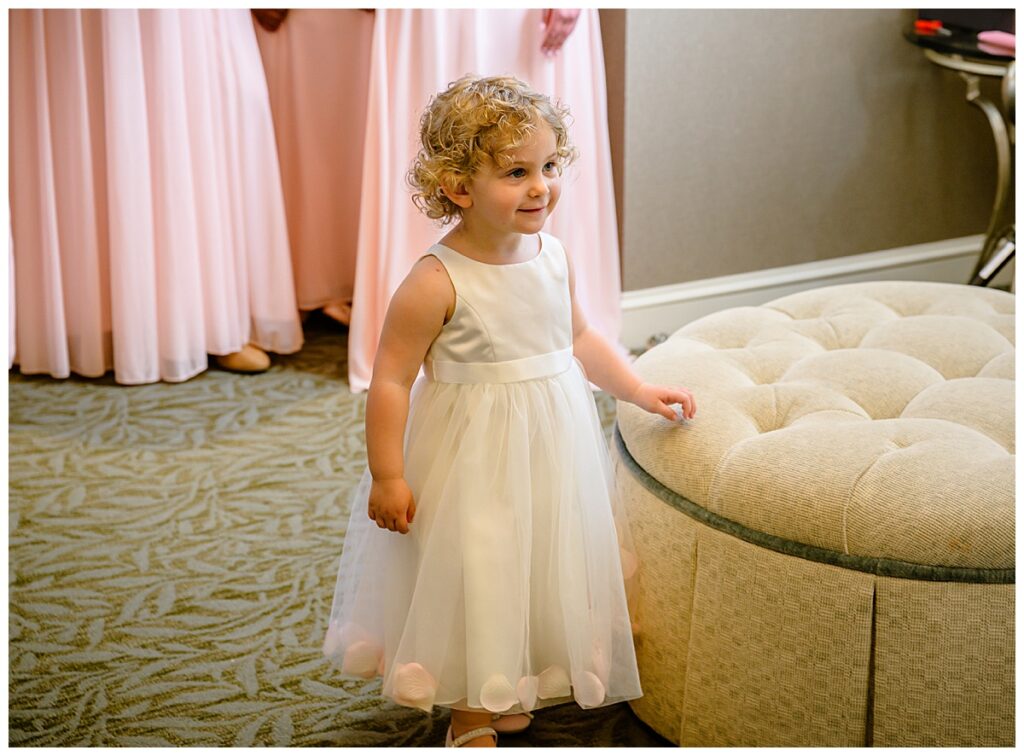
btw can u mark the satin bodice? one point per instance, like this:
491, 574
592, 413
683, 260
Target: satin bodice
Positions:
517, 316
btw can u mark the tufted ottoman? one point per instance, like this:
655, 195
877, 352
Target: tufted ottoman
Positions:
827, 549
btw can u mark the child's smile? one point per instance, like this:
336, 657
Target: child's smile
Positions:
519, 197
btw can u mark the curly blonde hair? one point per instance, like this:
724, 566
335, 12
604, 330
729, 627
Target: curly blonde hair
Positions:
478, 117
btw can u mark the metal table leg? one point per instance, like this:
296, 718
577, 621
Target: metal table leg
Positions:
1003, 162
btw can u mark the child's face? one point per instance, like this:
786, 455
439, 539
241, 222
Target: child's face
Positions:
519, 197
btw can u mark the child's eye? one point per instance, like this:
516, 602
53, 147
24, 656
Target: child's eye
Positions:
550, 166
517, 172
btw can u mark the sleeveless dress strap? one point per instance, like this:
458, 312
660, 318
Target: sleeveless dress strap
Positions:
553, 246
449, 259
442, 253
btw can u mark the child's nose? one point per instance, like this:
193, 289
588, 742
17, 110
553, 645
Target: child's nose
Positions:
539, 188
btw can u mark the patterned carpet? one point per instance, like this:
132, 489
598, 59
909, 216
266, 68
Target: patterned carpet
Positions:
172, 553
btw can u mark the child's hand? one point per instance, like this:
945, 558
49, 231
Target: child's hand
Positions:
269, 19
658, 399
391, 504
558, 24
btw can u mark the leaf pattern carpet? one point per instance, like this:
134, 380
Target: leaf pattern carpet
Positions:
172, 554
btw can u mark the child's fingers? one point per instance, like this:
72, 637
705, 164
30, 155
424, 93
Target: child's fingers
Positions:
680, 395
684, 398
380, 519
665, 411
689, 406
688, 409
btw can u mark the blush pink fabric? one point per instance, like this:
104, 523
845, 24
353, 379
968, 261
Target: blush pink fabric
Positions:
11, 354
317, 65
417, 53
146, 209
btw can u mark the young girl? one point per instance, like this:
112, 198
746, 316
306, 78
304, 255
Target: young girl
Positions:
481, 569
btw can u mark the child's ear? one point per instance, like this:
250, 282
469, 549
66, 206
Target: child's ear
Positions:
455, 190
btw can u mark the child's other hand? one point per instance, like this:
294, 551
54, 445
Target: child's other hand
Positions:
391, 504
558, 25
658, 399
269, 19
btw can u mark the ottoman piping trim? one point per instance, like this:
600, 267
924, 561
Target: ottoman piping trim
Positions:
874, 565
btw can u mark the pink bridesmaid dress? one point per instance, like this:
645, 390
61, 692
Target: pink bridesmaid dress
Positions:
417, 53
317, 66
11, 355
147, 216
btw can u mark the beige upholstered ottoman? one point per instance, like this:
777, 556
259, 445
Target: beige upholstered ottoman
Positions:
827, 550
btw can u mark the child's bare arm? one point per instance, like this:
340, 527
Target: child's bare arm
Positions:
609, 370
415, 316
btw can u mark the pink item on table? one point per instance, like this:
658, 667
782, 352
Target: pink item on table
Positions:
317, 65
146, 210
998, 42
417, 53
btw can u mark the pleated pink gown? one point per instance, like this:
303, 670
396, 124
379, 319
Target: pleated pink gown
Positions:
11, 319
318, 66
417, 53
147, 216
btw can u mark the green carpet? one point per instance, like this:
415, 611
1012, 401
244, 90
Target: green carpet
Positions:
172, 553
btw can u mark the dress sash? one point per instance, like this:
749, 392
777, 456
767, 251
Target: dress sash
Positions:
510, 371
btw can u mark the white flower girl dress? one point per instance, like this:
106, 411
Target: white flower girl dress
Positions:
508, 593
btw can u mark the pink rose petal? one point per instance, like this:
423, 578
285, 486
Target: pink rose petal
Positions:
497, 694
362, 658
526, 691
553, 682
414, 686
587, 689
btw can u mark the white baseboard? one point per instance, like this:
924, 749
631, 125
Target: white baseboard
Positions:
663, 309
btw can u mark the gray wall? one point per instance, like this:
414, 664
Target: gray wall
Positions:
750, 139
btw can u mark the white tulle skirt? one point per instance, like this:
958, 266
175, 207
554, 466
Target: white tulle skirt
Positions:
509, 591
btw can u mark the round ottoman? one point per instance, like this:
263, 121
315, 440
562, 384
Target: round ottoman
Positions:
827, 550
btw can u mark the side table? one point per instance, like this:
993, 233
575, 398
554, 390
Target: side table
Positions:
959, 51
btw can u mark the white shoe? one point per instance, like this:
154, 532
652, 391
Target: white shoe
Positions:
468, 736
